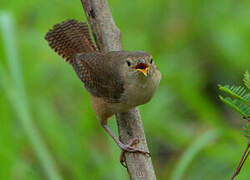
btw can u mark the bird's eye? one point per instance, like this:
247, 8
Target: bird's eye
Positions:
151, 60
128, 63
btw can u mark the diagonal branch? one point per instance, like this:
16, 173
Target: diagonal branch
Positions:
108, 38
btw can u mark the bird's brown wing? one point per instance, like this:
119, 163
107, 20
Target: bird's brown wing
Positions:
100, 77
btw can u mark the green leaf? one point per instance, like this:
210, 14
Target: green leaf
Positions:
236, 91
237, 105
247, 97
247, 79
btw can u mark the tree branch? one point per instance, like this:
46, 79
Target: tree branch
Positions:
108, 38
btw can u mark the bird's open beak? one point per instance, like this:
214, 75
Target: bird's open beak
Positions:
142, 67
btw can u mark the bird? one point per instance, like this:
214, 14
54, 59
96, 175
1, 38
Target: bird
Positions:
117, 81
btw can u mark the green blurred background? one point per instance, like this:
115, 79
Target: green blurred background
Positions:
48, 129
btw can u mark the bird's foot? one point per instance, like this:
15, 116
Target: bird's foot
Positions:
129, 148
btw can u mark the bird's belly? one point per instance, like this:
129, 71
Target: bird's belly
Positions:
120, 107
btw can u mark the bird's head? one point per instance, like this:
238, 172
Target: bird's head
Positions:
139, 64
138, 72
132, 66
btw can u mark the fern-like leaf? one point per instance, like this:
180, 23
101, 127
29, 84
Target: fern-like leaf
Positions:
237, 105
237, 92
247, 79
241, 104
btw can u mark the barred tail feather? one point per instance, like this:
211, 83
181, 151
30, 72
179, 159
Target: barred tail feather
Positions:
69, 38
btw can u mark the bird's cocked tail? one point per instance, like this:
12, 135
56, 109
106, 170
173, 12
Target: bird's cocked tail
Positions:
69, 38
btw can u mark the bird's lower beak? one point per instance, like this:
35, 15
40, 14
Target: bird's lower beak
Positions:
142, 67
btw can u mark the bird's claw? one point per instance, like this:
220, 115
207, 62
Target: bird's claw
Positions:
131, 149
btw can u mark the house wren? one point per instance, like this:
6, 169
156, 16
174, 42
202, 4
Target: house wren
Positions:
117, 81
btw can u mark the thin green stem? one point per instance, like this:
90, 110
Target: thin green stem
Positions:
192, 151
16, 94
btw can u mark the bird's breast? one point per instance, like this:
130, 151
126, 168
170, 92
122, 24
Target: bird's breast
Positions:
140, 91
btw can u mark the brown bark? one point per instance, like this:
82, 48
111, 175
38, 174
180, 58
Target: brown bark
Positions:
108, 38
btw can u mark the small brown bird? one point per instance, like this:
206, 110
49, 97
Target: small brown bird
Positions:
117, 81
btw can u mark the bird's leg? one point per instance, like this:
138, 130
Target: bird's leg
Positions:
124, 147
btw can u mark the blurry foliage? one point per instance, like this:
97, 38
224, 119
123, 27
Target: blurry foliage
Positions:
196, 45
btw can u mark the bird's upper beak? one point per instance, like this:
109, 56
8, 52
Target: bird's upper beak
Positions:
142, 67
